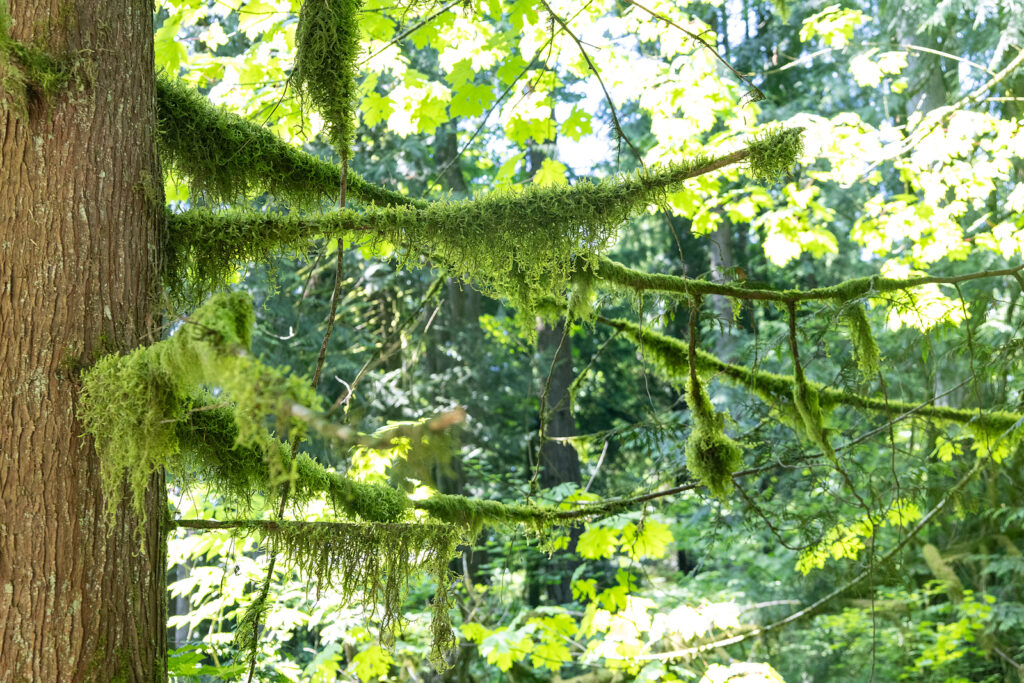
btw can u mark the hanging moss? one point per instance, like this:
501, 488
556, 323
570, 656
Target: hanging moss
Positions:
865, 349
375, 563
131, 404
668, 356
227, 158
711, 456
327, 46
774, 152
520, 245
943, 573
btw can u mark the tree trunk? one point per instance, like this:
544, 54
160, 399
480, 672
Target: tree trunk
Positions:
81, 595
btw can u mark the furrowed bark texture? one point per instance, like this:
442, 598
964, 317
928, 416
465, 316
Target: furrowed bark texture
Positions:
81, 596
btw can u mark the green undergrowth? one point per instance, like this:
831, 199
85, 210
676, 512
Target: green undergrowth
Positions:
374, 562
669, 356
132, 404
227, 158
520, 245
326, 50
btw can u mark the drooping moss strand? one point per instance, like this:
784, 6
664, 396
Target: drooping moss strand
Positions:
865, 349
711, 456
327, 47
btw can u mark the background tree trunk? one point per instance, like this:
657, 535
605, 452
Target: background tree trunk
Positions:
80, 212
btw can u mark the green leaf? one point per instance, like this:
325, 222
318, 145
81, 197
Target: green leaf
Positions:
371, 663
507, 171
551, 172
170, 54
510, 69
597, 542
577, 125
471, 100
651, 541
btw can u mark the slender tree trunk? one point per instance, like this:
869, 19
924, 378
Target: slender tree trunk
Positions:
81, 595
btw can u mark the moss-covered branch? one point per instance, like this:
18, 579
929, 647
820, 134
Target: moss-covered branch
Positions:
227, 157
630, 279
520, 245
132, 404
669, 356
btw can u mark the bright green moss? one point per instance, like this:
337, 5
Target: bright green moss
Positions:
774, 152
711, 456
327, 46
25, 68
132, 404
227, 158
865, 349
520, 245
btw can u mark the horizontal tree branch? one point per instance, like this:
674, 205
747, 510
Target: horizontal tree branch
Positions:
623, 276
229, 157
777, 389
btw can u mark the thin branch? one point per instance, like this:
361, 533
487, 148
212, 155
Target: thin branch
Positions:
816, 606
780, 386
755, 95
412, 29
616, 125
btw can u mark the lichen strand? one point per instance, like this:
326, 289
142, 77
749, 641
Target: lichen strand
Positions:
521, 245
865, 349
668, 355
326, 49
375, 562
774, 152
132, 404
227, 158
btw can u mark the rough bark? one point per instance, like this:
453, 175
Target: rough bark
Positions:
81, 595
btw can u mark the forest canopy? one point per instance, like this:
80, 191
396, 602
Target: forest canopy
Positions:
598, 342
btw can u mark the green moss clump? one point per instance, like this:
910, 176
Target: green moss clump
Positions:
25, 68
774, 152
226, 157
711, 456
376, 562
327, 46
865, 349
132, 404
210, 451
